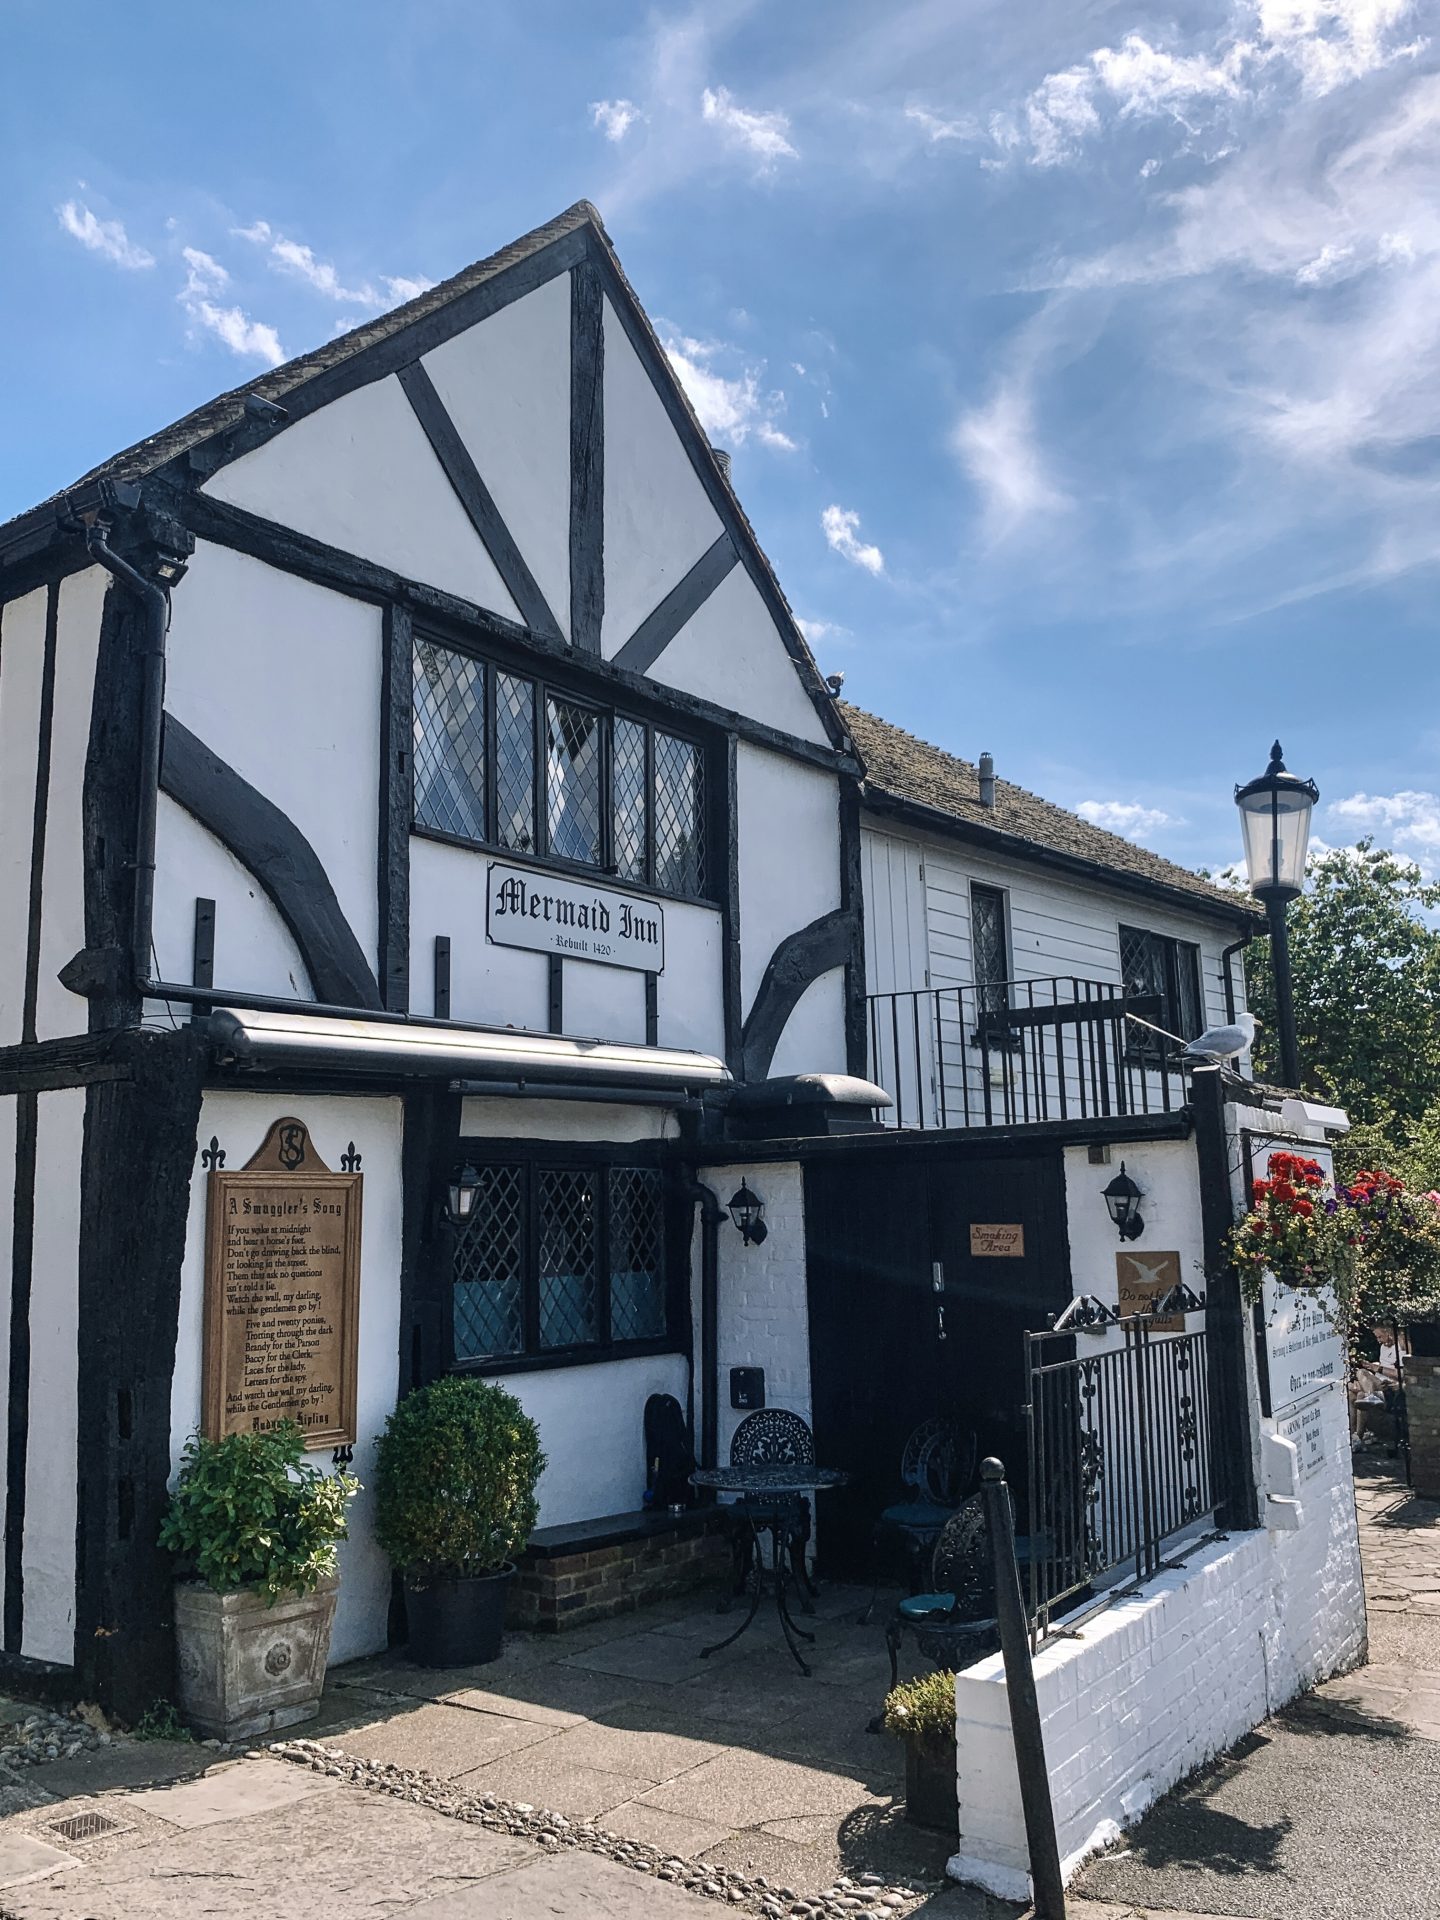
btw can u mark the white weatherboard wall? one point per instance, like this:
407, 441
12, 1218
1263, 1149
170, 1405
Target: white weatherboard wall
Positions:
1163, 1681
50, 1459
62, 914
8, 1106
240, 1121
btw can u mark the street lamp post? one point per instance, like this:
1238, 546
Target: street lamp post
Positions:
1275, 815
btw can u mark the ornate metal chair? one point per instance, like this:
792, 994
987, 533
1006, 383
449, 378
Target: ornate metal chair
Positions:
954, 1624
937, 1468
773, 1436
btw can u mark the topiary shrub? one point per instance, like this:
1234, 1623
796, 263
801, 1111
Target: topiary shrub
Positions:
455, 1476
250, 1511
922, 1709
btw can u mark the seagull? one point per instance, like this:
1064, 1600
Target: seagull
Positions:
1218, 1044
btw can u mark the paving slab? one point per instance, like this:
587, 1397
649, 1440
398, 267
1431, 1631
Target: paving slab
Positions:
569, 1884
442, 1740
746, 1789
540, 1779
328, 1856
641, 1752
657, 1658
24, 1858
127, 1763
233, 1791
676, 1833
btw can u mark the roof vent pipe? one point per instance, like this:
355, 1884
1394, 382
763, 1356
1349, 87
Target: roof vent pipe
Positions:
722, 460
987, 779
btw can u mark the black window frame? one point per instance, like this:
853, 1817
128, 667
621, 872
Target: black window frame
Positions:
533, 1158
572, 692
992, 997
1172, 952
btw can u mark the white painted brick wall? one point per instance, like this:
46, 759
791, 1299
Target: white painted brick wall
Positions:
1162, 1682
763, 1310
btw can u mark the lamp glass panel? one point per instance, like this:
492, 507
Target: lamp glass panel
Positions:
1276, 827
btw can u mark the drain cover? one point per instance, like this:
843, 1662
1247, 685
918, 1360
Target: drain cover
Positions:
85, 1826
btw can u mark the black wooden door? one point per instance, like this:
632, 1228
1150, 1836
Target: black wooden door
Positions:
887, 1350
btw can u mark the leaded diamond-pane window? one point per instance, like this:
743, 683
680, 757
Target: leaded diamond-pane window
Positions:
989, 955
572, 780
449, 718
489, 1313
627, 799
1154, 966
679, 816
557, 1259
515, 762
637, 1277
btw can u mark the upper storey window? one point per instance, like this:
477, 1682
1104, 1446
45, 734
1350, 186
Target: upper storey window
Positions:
502, 760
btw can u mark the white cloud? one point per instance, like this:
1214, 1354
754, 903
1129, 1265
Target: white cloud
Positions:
105, 237
818, 631
731, 407
403, 287
247, 338
1126, 817
294, 258
1331, 263
1330, 42
258, 234
614, 118
841, 527
1408, 821
999, 450
766, 135
1059, 114
937, 130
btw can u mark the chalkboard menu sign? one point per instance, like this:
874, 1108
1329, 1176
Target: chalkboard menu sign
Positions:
282, 1292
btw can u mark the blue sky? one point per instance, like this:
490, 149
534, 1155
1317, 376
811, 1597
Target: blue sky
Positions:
1081, 362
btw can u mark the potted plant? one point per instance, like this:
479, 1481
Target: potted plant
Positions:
255, 1526
455, 1470
922, 1713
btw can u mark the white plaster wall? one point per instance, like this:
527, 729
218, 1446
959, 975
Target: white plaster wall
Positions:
241, 1121
496, 985
281, 679
1165, 1172
731, 652
658, 517
50, 1460
506, 385
592, 1428
1152, 1688
789, 837
7, 1250
501, 1118
764, 1316
253, 946
603, 1003
360, 475
62, 916
22, 659
814, 1036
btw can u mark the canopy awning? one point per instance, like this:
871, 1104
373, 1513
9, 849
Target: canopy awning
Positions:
410, 1048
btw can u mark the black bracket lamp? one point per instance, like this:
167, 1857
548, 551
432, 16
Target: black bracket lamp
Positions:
747, 1210
460, 1196
1122, 1198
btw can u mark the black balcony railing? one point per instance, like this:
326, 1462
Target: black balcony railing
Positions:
1118, 1422
1016, 1052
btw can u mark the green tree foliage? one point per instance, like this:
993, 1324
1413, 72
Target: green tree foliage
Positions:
1366, 968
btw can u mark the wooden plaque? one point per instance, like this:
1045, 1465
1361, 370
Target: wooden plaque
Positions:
998, 1242
1144, 1278
282, 1293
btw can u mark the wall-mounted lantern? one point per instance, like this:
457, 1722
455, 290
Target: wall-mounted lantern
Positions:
747, 1210
463, 1189
1123, 1198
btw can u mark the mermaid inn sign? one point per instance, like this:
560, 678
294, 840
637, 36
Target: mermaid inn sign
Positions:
576, 920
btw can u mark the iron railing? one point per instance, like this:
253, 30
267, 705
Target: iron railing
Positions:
1015, 1052
1118, 1425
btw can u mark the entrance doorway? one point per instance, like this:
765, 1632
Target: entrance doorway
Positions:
888, 1347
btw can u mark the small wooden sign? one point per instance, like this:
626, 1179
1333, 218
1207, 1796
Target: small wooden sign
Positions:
282, 1293
1004, 1242
1144, 1278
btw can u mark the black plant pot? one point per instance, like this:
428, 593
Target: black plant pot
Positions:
457, 1623
930, 1793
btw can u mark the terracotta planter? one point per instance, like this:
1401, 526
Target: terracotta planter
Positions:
930, 1792
245, 1668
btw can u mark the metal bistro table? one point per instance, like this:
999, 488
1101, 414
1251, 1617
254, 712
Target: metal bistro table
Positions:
758, 1481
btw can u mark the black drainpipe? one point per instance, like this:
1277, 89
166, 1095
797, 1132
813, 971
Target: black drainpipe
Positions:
1236, 946
711, 1214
